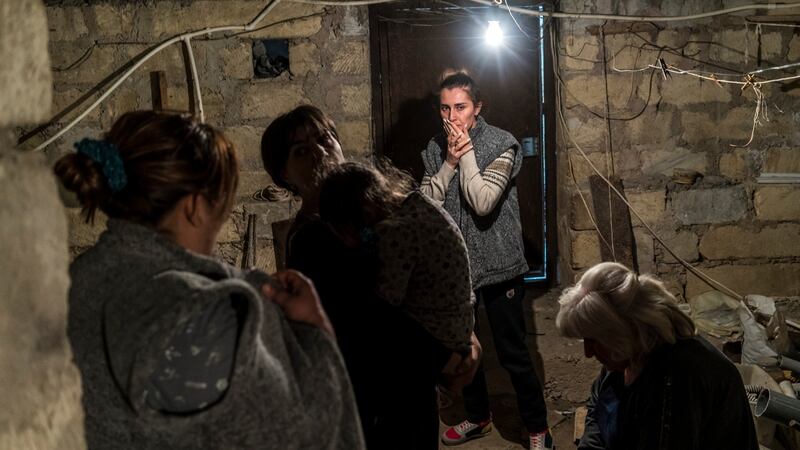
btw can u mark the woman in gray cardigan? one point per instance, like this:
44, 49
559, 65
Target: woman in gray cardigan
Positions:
176, 349
470, 170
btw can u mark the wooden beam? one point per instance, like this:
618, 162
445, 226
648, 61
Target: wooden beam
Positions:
614, 221
158, 90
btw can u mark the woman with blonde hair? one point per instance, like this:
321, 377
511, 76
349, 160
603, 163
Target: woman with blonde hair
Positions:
661, 385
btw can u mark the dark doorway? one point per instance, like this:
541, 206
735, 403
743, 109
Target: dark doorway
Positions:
413, 42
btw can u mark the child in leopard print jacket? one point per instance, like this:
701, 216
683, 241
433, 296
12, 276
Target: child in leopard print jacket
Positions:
424, 268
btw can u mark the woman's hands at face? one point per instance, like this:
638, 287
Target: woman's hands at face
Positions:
298, 299
458, 144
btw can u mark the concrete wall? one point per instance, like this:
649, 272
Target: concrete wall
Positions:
745, 234
40, 389
329, 64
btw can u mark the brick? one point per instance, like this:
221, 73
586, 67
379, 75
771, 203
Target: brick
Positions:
579, 217
694, 91
777, 203
237, 61
585, 249
665, 161
352, 59
718, 205
97, 66
247, 141
581, 52
355, 137
82, 234
590, 90
763, 279
66, 24
786, 160
356, 100
267, 100
649, 205
737, 242
304, 59
733, 165
684, 244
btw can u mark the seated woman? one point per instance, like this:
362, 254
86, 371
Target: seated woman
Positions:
176, 349
386, 351
661, 386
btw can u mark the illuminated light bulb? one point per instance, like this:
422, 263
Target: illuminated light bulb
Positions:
494, 34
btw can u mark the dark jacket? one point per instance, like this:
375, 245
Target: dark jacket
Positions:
689, 396
133, 290
494, 241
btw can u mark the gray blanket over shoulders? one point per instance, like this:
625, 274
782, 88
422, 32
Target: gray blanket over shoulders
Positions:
288, 387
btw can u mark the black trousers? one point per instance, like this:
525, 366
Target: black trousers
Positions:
503, 303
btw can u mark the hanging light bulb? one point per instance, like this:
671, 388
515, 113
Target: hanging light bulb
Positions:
494, 34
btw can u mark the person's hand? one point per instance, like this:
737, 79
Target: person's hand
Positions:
459, 370
458, 144
298, 299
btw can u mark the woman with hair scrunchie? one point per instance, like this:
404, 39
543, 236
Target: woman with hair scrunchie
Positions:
175, 348
661, 387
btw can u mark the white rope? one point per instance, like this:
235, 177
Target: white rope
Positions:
195, 81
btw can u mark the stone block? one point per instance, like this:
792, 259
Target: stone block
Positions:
717, 205
352, 59
777, 203
170, 60
118, 103
25, 80
247, 141
784, 160
66, 98
112, 20
733, 165
645, 251
251, 181
590, 91
580, 52
267, 100
585, 249
782, 240
100, 63
355, 136
684, 244
694, 91
82, 234
269, 213
735, 125
738, 43
763, 279
581, 167
641, 130
304, 59
230, 232
237, 61
579, 216
66, 23
588, 133
355, 21
665, 161
291, 20
794, 49
699, 126
650, 206
356, 100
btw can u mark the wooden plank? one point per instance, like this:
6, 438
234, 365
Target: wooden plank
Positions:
614, 221
580, 423
158, 90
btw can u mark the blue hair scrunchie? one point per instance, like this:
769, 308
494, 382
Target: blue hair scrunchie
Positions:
107, 155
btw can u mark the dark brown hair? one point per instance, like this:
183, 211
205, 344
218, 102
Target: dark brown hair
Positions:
460, 79
166, 157
358, 195
277, 138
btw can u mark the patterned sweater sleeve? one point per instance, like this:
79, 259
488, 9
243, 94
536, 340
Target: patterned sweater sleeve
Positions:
483, 190
435, 185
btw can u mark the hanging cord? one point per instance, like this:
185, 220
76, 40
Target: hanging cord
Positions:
702, 276
609, 151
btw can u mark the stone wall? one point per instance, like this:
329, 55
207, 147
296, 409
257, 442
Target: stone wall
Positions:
743, 233
329, 67
40, 390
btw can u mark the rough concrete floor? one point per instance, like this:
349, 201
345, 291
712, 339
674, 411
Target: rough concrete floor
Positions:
568, 377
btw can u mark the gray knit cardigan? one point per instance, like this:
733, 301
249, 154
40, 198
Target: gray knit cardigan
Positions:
288, 389
494, 241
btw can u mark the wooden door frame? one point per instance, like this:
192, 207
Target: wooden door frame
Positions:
547, 136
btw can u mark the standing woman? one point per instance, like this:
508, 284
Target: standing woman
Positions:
471, 169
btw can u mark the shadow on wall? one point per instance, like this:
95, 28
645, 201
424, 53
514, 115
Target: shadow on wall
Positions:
417, 121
